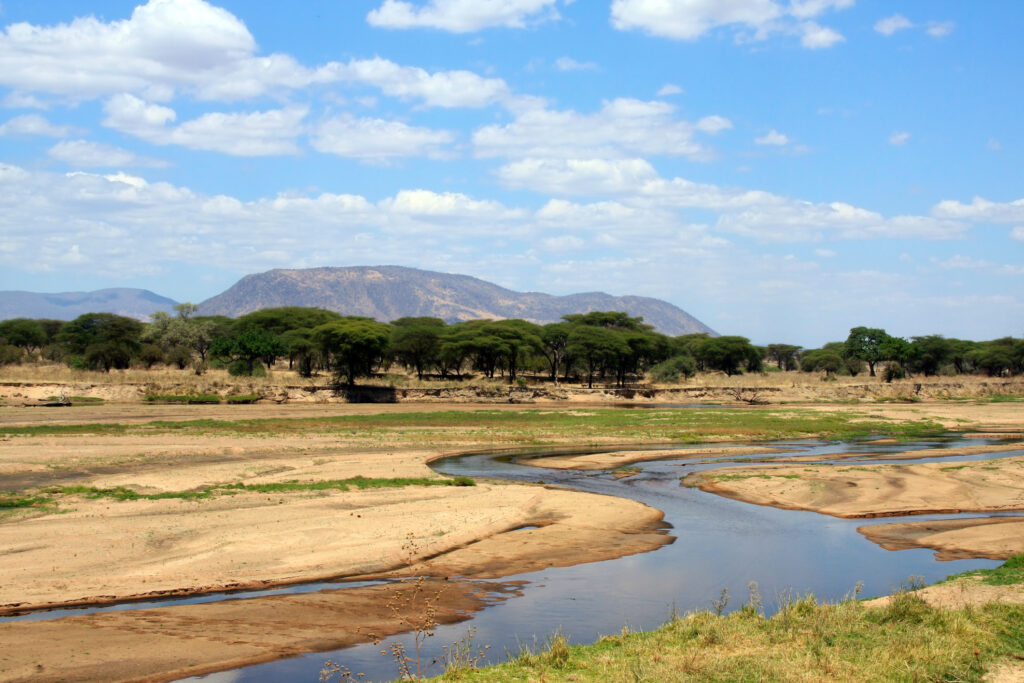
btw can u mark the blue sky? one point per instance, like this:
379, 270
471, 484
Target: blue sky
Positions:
781, 169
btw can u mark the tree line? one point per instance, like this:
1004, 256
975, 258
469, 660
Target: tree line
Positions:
601, 345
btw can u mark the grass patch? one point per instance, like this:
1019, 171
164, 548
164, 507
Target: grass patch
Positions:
540, 427
189, 399
623, 472
804, 640
898, 399
732, 477
1008, 573
244, 399
49, 497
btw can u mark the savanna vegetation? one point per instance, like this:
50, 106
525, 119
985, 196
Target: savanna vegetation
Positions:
603, 346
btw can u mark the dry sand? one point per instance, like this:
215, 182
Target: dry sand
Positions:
875, 490
612, 459
994, 538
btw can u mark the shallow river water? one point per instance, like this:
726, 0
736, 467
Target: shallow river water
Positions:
720, 543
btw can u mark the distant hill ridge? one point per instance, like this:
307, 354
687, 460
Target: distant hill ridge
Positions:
132, 303
390, 292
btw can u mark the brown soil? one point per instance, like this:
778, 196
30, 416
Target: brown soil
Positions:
961, 593
994, 538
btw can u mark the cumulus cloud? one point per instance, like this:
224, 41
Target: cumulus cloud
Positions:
622, 128
440, 89
669, 89
981, 210
899, 138
750, 19
1018, 233
377, 139
87, 154
266, 133
33, 124
462, 16
169, 46
772, 137
892, 24
815, 37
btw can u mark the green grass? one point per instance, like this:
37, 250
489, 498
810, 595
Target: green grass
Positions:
539, 427
1009, 573
50, 496
907, 640
244, 399
190, 399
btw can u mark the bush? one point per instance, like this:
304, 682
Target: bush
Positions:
248, 398
179, 356
894, 371
240, 368
10, 354
183, 398
674, 368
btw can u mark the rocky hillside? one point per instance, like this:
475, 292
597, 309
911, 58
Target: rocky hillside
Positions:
390, 292
133, 303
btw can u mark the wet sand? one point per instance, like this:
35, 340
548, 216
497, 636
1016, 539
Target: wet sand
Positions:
189, 640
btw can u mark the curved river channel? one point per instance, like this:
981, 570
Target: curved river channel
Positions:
720, 543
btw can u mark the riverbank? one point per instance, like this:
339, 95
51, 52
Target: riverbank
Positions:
908, 636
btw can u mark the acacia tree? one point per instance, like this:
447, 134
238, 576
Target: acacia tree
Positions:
24, 333
247, 350
727, 353
353, 346
554, 340
784, 355
865, 343
102, 340
596, 347
416, 342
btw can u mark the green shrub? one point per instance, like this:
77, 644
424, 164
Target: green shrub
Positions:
674, 368
10, 355
247, 398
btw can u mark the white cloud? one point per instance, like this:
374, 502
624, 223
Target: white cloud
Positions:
772, 137
622, 128
981, 210
439, 89
266, 133
1018, 233
940, 29
899, 138
892, 24
961, 262
167, 46
570, 64
815, 37
33, 124
669, 89
462, 16
825, 253
20, 100
377, 139
86, 154
577, 176
751, 19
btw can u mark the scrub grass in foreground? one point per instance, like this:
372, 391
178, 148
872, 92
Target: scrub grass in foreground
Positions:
907, 640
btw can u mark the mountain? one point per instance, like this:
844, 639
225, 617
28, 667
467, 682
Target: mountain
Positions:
390, 292
133, 303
